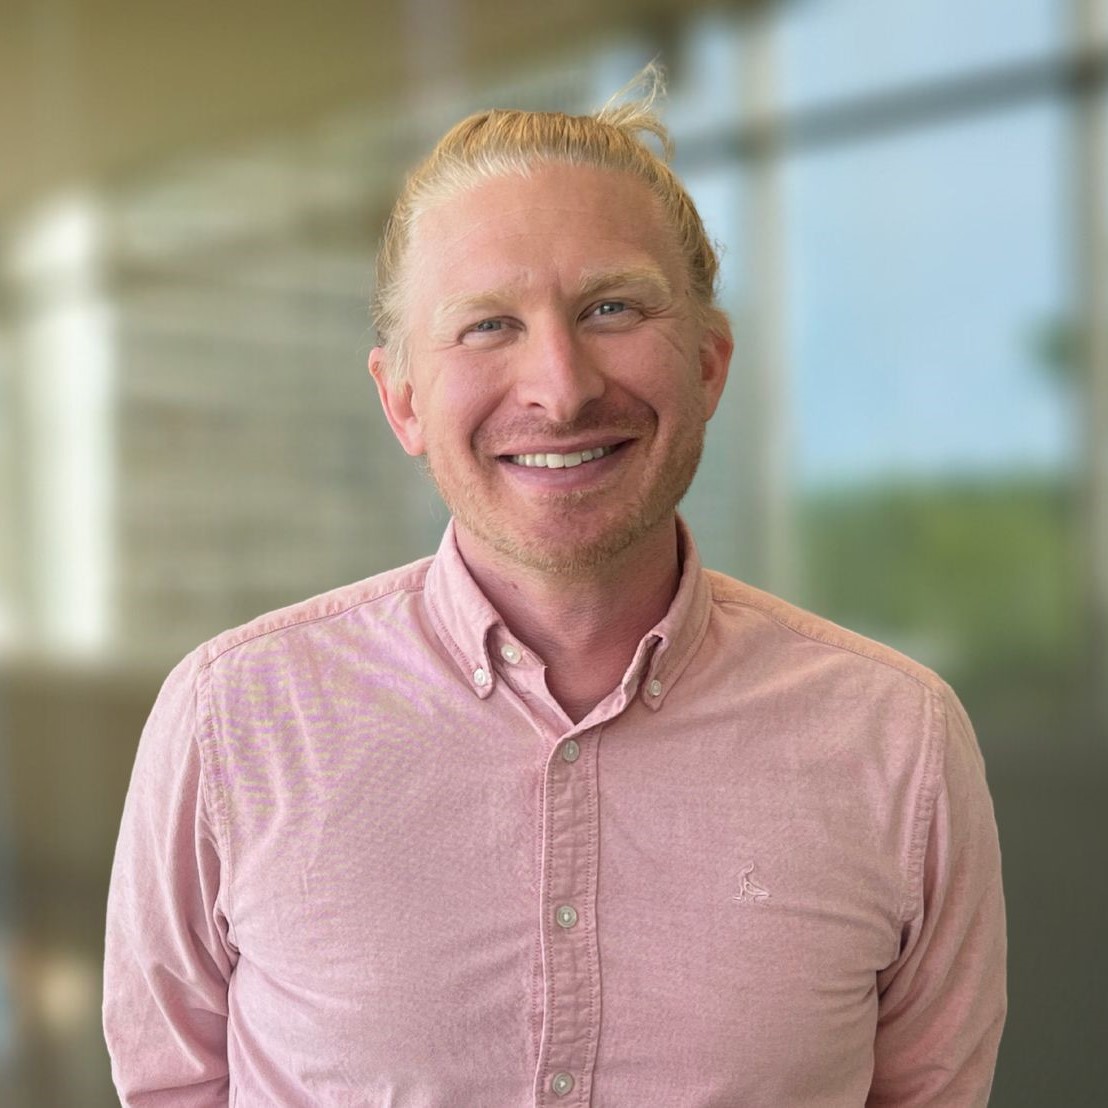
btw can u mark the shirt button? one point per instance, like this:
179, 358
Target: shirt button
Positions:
655, 687
480, 677
566, 916
571, 751
510, 653
562, 1084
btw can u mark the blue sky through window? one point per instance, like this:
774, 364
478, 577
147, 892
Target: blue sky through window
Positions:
923, 272
836, 49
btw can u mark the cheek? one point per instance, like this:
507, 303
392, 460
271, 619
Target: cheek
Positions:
663, 385
651, 362
461, 402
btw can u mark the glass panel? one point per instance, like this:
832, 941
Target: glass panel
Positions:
932, 331
720, 507
832, 49
926, 279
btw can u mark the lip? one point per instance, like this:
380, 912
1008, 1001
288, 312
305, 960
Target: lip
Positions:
573, 446
544, 479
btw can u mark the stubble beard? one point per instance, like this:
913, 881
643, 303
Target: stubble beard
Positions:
655, 505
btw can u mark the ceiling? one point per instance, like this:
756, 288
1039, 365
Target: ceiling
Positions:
95, 90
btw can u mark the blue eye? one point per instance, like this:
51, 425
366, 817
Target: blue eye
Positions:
487, 325
611, 307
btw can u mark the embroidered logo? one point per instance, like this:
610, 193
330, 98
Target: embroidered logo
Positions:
750, 892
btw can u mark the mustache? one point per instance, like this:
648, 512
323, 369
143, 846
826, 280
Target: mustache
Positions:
601, 421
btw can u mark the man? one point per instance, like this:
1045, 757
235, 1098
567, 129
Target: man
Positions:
556, 816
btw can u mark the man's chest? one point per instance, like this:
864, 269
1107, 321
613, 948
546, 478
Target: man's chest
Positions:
469, 916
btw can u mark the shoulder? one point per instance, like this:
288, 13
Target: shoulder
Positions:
798, 634
871, 704
331, 615
852, 714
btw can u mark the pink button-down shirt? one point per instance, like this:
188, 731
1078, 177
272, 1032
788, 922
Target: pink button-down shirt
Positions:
366, 859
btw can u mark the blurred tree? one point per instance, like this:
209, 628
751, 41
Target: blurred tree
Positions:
975, 577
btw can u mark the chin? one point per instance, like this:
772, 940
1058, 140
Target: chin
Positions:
570, 554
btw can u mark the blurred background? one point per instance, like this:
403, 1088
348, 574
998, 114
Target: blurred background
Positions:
911, 197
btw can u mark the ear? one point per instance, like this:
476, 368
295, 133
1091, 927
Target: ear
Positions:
398, 402
716, 345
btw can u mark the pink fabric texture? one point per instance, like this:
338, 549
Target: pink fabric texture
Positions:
366, 859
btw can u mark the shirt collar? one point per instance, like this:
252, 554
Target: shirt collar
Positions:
465, 621
461, 613
668, 647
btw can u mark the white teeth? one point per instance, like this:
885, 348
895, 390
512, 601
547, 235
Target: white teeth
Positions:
560, 461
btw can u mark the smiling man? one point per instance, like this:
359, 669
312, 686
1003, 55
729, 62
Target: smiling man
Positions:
556, 816
560, 379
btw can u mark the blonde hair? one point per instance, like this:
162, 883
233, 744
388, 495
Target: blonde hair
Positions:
500, 142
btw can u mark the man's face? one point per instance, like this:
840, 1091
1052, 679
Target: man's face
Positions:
559, 379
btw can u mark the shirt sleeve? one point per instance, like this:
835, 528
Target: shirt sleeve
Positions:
168, 956
942, 1003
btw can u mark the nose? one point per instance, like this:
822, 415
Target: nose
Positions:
557, 374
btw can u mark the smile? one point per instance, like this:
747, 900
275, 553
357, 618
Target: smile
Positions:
560, 461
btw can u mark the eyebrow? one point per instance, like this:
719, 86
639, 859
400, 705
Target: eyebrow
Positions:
648, 276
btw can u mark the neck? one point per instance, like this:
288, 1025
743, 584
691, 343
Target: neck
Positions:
587, 626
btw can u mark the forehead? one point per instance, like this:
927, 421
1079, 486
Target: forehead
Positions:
549, 227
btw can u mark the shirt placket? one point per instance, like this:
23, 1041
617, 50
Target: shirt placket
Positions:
571, 972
